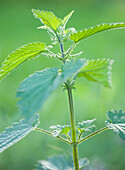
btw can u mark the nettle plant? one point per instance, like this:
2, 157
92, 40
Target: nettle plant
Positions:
35, 89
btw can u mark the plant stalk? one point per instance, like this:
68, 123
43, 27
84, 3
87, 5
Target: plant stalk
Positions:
72, 116
61, 46
73, 130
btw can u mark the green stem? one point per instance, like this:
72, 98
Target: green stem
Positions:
73, 130
49, 133
92, 134
72, 117
61, 46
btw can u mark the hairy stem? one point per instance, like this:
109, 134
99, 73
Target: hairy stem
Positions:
49, 133
61, 46
72, 117
92, 134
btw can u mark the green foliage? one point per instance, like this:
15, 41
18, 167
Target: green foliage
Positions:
34, 90
48, 19
116, 122
86, 126
80, 35
20, 55
58, 129
65, 20
71, 68
62, 162
98, 71
13, 134
54, 25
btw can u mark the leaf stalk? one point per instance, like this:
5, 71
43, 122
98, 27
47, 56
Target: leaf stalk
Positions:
49, 133
93, 134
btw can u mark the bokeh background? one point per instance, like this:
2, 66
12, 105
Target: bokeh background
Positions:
18, 27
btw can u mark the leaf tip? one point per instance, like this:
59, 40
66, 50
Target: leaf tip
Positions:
72, 12
33, 10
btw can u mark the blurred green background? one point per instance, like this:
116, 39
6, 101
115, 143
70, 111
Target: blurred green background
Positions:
18, 27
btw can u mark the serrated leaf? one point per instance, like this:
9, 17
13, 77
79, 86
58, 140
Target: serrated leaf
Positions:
20, 55
34, 90
61, 162
58, 129
65, 20
98, 71
13, 134
86, 126
80, 35
72, 67
116, 122
47, 18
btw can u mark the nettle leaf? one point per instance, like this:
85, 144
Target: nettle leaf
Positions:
61, 162
65, 20
72, 67
98, 71
80, 35
20, 55
116, 122
47, 18
58, 129
86, 126
34, 90
13, 134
